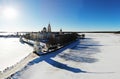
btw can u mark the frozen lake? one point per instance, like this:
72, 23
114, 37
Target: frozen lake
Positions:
12, 51
96, 57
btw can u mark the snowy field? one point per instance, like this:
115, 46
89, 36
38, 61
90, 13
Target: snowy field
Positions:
96, 57
12, 51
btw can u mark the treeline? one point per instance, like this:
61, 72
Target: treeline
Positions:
27, 36
30, 37
66, 38
56, 40
61, 40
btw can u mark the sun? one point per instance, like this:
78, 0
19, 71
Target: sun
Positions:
10, 13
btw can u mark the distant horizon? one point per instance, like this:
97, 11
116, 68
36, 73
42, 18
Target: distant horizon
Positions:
89, 31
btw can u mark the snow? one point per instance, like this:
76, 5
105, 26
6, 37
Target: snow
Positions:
12, 52
96, 57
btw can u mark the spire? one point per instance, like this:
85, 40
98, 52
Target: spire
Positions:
49, 27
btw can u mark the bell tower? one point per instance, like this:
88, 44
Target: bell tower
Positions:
49, 27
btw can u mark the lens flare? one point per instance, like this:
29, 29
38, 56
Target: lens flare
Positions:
10, 13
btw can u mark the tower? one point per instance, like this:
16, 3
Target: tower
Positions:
49, 27
60, 32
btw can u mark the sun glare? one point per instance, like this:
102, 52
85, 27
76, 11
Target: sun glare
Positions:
10, 13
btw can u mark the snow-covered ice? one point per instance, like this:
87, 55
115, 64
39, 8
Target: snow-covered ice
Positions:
12, 51
96, 57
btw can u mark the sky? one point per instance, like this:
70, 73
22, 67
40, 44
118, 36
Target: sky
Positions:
69, 15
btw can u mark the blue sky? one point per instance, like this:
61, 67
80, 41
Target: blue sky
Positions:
70, 15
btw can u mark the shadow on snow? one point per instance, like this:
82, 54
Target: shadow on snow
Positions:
79, 51
83, 52
47, 58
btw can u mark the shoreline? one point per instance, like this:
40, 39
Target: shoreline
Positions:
18, 66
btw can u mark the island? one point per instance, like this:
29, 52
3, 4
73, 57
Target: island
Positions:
46, 41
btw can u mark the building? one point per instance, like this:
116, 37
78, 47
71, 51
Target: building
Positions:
60, 32
44, 29
49, 27
45, 34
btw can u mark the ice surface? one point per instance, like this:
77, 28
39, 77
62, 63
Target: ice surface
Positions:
96, 57
12, 51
